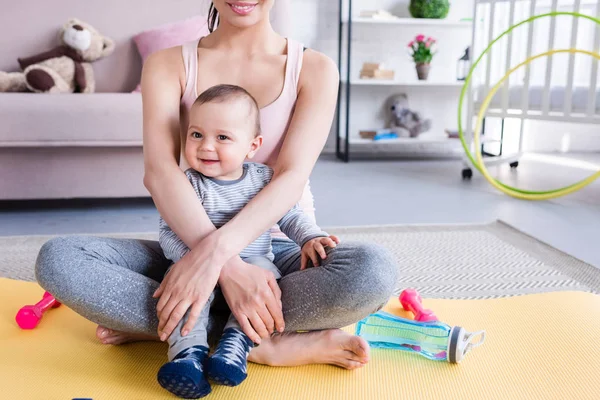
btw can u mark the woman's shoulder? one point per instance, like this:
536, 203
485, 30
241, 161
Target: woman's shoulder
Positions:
166, 62
166, 57
318, 69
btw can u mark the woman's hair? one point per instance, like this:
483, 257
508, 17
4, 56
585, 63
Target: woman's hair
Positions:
213, 17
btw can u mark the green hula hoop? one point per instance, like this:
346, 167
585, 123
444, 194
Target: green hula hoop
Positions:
558, 191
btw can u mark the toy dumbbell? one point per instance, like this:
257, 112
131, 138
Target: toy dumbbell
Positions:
29, 317
411, 301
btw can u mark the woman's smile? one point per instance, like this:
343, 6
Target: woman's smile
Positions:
242, 8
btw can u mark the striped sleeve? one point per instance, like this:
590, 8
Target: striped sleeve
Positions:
299, 227
173, 247
295, 224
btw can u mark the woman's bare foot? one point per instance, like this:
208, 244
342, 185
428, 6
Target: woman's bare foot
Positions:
332, 346
110, 336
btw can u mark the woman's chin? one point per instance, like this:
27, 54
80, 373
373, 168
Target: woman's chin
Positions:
243, 22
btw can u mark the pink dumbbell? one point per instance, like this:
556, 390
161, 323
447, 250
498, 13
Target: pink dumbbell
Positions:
29, 317
411, 301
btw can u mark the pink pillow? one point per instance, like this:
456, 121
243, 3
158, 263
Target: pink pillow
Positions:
170, 35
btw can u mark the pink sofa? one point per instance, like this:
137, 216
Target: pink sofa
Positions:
75, 145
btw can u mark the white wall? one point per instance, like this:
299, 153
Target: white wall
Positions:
559, 137
315, 23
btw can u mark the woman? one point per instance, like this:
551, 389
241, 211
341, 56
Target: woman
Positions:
116, 283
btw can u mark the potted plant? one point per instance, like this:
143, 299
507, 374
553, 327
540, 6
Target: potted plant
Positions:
422, 53
429, 8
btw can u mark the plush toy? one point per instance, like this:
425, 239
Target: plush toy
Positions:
64, 69
402, 120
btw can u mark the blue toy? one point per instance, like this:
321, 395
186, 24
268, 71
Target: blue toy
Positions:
383, 135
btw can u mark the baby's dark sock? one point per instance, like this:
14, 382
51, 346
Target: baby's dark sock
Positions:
184, 376
228, 365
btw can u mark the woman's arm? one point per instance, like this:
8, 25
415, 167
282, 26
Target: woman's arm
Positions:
305, 138
304, 141
176, 200
169, 187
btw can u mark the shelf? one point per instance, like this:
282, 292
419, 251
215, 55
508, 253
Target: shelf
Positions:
383, 82
411, 21
422, 146
417, 140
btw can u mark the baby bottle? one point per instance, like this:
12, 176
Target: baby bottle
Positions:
434, 340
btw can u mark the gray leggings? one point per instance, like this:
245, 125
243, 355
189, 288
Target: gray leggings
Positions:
111, 281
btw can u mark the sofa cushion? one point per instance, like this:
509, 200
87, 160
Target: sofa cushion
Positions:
170, 35
98, 119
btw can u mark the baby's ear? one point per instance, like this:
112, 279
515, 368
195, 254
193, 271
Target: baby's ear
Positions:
255, 146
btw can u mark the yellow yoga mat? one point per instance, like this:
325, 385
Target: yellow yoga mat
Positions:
537, 347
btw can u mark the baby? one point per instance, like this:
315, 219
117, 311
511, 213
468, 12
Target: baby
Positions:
224, 131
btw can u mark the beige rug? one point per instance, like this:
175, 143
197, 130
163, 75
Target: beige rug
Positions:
441, 261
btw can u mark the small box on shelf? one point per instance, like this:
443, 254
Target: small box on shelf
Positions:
367, 134
376, 71
377, 14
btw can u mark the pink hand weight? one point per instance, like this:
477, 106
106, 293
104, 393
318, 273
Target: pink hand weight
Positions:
30, 316
411, 301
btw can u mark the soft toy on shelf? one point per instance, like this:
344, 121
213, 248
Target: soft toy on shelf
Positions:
402, 120
65, 69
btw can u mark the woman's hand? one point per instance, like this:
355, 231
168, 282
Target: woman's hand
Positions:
254, 298
314, 250
188, 284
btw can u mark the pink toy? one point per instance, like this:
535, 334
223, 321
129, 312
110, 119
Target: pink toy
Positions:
411, 301
29, 317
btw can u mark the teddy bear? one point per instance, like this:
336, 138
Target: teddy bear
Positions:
65, 69
402, 120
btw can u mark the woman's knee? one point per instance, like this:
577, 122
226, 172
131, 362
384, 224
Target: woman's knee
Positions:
371, 271
54, 259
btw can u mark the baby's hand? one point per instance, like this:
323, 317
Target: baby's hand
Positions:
314, 250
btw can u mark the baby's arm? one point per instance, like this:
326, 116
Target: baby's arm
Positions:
173, 247
299, 227
296, 225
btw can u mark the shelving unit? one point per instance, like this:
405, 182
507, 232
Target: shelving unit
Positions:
382, 82
344, 138
410, 21
417, 140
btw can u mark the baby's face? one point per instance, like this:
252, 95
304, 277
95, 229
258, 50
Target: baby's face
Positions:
220, 136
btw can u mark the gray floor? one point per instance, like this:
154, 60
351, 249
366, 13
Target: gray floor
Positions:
366, 192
